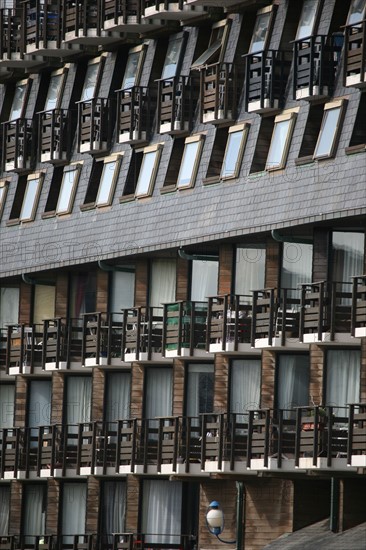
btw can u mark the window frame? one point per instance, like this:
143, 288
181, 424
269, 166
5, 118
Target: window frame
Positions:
317, 12
290, 117
63, 73
339, 104
77, 166
206, 57
182, 38
36, 176
157, 149
260, 13
108, 160
4, 185
358, 22
199, 139
26, 82
141, 49
244, 129
100, 60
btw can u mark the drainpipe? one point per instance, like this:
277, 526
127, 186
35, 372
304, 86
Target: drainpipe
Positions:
202, 257
334, 504
276, 235
239, 515
106, 267
30, 281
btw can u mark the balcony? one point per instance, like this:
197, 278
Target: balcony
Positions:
325, 314
125, 16
315, 63
12, 41
43, 28
56, 134
218, 93
19, 139
175, 104
134, 115
96, 119
185, 325
83, 24
61, 344
142, 336
356, 455
276, 317
23, 349
266, 75
9, 452
229, 322
355, 55
170, 10
102, 339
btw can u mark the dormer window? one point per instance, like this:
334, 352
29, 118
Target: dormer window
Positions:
19, 99
92, 78
133, 67
55, 88
308, 19
261, 30
173, 57
216, 45
330, 129
357, 12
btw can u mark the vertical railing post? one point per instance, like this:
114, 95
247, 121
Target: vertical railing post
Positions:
354, 305
321, 298
350, 434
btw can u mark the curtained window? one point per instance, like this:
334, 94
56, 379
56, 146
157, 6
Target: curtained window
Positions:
122, 290
73, 510
83, 294
158, 392
162, 511
297, 260
39, 404
113, 508
293, 374
348, 254
204, 279
245, 386
4, 509
34, 511
44, 303
343, 378
9, 306
249, 269
7, 396
162, 282
78, 404
118, 396
200, 389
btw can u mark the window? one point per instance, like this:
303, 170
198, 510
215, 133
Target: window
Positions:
358, 139
68, 188
39, 403
158, 392
92, 78
190, 162
330, 129
113, 508
263, 144
7, 397
102, 182
133, 68
293, 376
55, 89
173, 56
234, 151
280, 142
78, 399
162, 282
3, 192
200, 389
217, 156
347, 260
297, 260
122, 289
118, 396
216, 46
261, 30
19, 99
204, 279
74, 497
26, 198
307, 19
162, 511
356, 12
34, 511
245, 386
83, 291
343, 378
44, 302
9, 306
170, 182
142, 172
4, 510
249, 269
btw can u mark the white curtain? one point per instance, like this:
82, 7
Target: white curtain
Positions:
73, 510
204, 279
9, 306
4, 509
123, 289
39, 405
200, 389
7, 395
343, 378
162, 282
249, 269
118, 396
245, 386
348, 252
114, 507
158, 392
162, 511
34, 511
44, 303
78, 393
297, 261
293, 381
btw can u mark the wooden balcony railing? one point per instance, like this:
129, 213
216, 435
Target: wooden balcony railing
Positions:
266, 76
358, 315
229, 321
264, 314
43, 25
218, 92
9, 452
185, 325
134, 114
175, 104
11, 35
355, 55
56, 134
96, 119
325, 310
3, 341
120, 12
142, 333
19, 142
315, 62
79, 17
23, 348
356, 453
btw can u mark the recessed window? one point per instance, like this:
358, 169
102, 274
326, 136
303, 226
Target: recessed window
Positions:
234, 151
280, 141
358, 139
55, 88
216, 45
148, 171
19, 99
330, 129
190, 162
26, 198
93, 71
3, 192
261, 30
217, 156
173, 56
357, 12
133, 67
307, 19
102, 182
68, 188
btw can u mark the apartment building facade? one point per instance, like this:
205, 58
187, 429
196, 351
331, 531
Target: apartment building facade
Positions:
182, 273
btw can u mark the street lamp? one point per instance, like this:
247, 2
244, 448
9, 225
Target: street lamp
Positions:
215, 521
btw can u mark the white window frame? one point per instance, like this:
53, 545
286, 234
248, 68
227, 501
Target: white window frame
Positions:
199, 139
244, 129
108, 160
157, 149
39, 177
96, 60
284, 117
77, 166
340, 105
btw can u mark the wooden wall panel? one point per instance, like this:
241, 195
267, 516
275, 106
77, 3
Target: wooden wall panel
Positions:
225, 493
363, 371
58, 389
317, 366
182, 291
20, 401
62, 293
178, 387
141, 283
53, 506
132, 508
225, 269
137, 390
221, 383
268, 379
102, 291
98, 394
268, 511
15, 516
273, 264
25, 303
320, 255
92, 505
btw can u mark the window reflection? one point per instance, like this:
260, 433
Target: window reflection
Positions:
172, 58
18, 101
307, 19
260, 32
90, 82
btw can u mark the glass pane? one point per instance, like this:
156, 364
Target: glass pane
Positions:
122, 291
204, 279
66, 192
206, 57
162, 512
356, 12
106, 181
245, 386
200, 389
146, 172
73, 510
53, 92
158, 397
2, 196
34, 513
162, 282
29, 199
4, 510
131, 70
249, 269
172, 58
39, 403
18, 100
260, 33
9, 306
278, 144
7, 396
307, 19
293, 381
297, 262
343, 378
90, 82
230, 164
327, 133
187, 165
